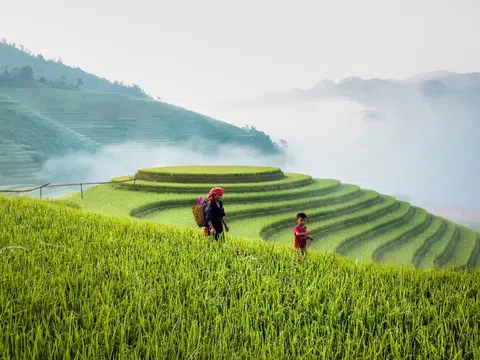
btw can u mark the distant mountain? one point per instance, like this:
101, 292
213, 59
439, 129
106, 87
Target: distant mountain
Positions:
374, 91
430, 75
425, 130
55, 72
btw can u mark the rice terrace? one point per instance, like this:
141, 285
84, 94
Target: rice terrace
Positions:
126, 272
262, 202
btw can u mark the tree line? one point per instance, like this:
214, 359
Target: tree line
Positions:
55, 73
25, 76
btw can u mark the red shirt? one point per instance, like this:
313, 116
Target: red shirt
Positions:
300, 240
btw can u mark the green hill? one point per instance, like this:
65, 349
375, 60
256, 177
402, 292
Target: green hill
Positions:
357, 223
113, 118
80, 285
46, 111
38, 123
55, 73
27, 139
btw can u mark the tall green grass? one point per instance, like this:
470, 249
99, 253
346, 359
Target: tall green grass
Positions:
87, 286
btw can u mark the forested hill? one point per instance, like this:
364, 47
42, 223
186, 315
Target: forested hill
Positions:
54, 72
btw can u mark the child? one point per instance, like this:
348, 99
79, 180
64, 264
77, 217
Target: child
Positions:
215, 214
301, 233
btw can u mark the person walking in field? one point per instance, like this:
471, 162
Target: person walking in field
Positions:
301, 234
215, 214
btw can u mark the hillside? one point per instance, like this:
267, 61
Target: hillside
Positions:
84, 285
357, 223
27, 139
48, 109
57, 73
38, 123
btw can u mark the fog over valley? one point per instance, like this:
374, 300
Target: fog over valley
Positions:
402, 140
419, 149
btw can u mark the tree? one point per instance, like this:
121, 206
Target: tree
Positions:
283, 143
17, 76
26, 73
79, 82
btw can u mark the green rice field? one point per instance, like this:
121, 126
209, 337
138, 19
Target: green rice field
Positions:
357, 223
79, 285
127, 274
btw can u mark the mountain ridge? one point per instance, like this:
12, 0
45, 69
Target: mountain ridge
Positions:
55, 70
428, 84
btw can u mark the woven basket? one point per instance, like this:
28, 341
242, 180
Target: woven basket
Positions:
198, 215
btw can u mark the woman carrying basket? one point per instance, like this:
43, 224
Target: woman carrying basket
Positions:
215, 214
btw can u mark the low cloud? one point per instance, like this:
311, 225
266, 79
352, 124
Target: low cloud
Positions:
407, 148
127, 158
421, 151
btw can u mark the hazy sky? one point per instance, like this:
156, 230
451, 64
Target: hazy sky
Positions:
193, 52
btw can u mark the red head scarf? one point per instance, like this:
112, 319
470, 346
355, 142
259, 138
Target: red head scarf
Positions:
215, 191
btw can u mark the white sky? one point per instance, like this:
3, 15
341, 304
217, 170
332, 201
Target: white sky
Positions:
195, 52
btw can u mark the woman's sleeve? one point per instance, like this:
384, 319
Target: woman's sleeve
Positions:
208, 212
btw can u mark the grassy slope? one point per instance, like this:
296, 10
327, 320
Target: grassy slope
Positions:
438, 246
17, 162
290, 181
91, 286
325, 228
210, 174
356, 223
211, 170
404, 252
42, 134
50, 122
27, 138
110, 200
109, 118
463, 248
249, 219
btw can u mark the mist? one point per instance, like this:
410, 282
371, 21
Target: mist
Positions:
419, 158
126, 158
406, 147
420, 151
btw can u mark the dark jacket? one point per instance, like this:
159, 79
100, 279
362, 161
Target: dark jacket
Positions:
215, 213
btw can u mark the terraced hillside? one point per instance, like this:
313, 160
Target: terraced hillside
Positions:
261, 204
114, 118
38, 123
27, 139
